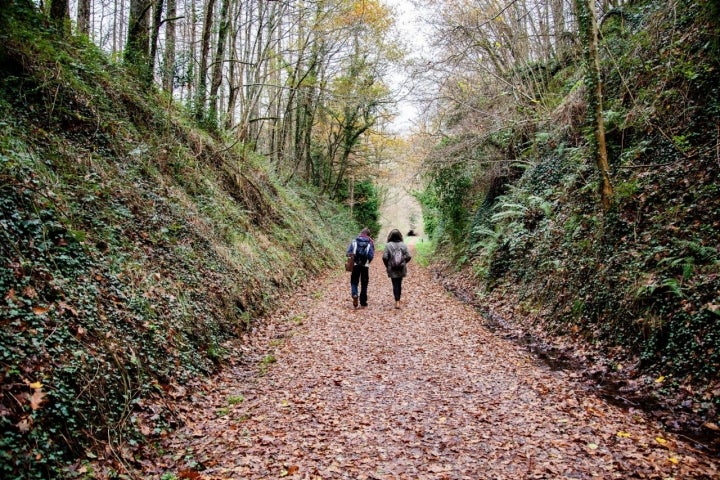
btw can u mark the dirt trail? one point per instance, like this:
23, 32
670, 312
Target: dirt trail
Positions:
419, 393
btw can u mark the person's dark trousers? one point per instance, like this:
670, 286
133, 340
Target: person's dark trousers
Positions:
360, 274
397, 288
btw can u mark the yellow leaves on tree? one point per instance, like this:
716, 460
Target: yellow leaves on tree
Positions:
371, 12
368, 14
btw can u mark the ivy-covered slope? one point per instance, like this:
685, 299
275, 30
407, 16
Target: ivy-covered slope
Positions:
641, 282
132, 246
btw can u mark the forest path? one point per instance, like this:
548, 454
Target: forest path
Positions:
424, 392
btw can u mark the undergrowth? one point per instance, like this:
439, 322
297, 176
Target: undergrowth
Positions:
132, 246
642, 280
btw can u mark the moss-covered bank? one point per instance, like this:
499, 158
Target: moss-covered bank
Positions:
132, 246
639, 283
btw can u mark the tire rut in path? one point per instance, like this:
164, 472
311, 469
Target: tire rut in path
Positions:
424, 392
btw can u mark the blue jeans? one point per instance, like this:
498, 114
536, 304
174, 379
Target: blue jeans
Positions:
360, 274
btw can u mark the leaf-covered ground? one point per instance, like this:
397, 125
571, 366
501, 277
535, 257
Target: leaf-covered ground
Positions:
425, 392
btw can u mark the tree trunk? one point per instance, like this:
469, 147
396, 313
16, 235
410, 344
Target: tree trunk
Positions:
589, 31
83, 17
351, 199
200, 97
276, 100
558, 15
169, 58
218, 62
157, 21
137, 47
118, 27
190, 74
60, 15
233, 77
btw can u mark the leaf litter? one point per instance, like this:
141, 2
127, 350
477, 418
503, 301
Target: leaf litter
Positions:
424, 392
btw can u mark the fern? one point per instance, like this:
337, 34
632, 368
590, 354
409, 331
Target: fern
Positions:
509, 211
485, 231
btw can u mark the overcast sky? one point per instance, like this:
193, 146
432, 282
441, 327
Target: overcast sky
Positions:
409, 26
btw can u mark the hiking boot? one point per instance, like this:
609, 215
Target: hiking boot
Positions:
355, 301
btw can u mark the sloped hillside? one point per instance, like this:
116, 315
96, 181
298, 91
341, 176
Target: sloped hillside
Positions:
633, 293
132, 247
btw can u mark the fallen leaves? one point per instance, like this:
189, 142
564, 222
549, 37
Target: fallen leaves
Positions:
420, 393
40, 310
25, 424
37, 399
711, 426
189, 474
291, 470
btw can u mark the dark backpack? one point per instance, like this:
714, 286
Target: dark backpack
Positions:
397, 259
362, 247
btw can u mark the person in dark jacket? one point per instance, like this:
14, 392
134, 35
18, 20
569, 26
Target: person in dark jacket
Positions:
396, 272
363, 250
